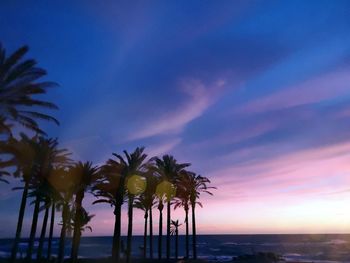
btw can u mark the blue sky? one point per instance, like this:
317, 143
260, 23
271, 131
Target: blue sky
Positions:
248, 91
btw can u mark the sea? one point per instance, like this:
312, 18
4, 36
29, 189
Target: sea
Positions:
322, 248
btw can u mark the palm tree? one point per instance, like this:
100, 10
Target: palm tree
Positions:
48, 199
52, 223
150, 196
133, 166
169, 170
198, 184
84, 175
151, 231
47, 157
183, 200
110, 189
145, 202
24, 159
18, 84
174, 231
63, 182
43, 230
140, 203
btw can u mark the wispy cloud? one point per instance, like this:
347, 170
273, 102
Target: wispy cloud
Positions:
199, 97
320, 88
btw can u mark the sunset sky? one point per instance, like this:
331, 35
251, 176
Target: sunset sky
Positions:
255, 94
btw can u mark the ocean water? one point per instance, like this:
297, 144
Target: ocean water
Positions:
316, 248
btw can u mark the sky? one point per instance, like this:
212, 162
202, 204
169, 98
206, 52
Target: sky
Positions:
255, 94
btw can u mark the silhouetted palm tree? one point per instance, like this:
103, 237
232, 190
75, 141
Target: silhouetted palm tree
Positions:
55, 198
18, 84
49, 194
110, 189
140, 203
24, 158
145, 202
174, 230
183, 200
84, 175
150, 196
197, 184
63, 182
133, 167
169, 170
47, 157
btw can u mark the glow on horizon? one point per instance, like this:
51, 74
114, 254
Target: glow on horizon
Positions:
312, 197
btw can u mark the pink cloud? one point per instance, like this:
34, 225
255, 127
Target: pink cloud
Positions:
321, 88
291, 178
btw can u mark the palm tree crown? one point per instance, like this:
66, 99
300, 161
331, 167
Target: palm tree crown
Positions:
18, 85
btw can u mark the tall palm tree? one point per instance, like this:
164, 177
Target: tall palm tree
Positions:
133, 167
63, 182
43, 230
145, 202
24, 158
140, 203
197, 184
183, 200
174, 231
151, 231
110, 189
169, 170
49, 194
54, 200
84, 175
47, 157
18, 86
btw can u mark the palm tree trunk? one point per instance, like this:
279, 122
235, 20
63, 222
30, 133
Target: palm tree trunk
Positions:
43, 232
33, 229
145, 236
76, 242
187, 234
129, 238
177, 243
77, 225
19, 223
52, 223
61, 248
117, 231
194, 237
150, 233
168, 231
160, 207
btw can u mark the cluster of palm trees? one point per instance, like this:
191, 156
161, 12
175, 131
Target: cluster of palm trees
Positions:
53, 182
